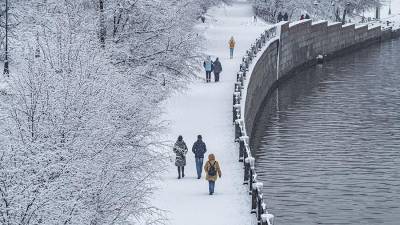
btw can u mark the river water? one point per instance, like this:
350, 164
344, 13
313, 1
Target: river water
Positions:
327, 143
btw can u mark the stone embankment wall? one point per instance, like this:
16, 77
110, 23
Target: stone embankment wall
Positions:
299, 45
263, 77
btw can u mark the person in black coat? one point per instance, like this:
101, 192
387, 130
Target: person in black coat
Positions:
199, 149
286, 17
280, 17
180, 149
217, 68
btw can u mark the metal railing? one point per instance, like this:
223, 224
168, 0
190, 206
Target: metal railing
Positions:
258, 206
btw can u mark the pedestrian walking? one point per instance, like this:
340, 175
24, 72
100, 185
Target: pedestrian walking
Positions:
286, 17
199, 149
217, 68
232, 44
180, 149
213, 171
208, 66
280, 17
307, 16
203, 18
255, 19
302, 17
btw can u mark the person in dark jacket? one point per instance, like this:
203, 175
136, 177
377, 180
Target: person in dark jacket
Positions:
286, 17
280, 17
199, 149
307, 16
180, 149
217, 69
302, 17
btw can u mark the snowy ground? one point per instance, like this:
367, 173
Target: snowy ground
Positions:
393, 17
205, 108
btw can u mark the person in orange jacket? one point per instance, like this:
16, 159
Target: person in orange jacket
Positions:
231, 46
213, 171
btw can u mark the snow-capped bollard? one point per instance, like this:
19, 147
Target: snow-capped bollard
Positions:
242, 148
238, 88
267, 219
252, 174
252, 162
241, 80
237, 131
236, 98
236, 112
259, 186
240, 75
246, 163
254, 195
244, 74
320, 59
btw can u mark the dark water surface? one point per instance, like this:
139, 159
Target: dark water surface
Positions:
327, 145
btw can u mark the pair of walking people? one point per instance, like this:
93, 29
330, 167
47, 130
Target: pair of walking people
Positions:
211, 167
211, 66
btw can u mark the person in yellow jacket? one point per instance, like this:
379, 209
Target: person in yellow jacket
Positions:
231, 46
213, 171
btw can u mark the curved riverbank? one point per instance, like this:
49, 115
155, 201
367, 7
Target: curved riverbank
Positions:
326, 142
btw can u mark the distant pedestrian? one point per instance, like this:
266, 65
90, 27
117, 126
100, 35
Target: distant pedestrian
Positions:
208, 66
203, 18
232, 44
255, 19
302, 17
199, 149
307, 16
286, 17
180, 149
213, 171
280, 17
217, 69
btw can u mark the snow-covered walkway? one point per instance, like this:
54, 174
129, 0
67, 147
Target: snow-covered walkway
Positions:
206, 109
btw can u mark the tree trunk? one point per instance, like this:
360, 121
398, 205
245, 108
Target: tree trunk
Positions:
102, 24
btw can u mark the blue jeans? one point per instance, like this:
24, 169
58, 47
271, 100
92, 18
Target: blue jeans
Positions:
231, 52
199, 166
211, 185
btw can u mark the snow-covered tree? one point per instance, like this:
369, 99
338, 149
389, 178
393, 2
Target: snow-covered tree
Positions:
79, 126
335, 10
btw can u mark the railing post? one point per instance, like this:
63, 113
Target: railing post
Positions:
238, 131
235, 113
252, 180
236, 97
242, 148
254, 195
267, 219
246, 168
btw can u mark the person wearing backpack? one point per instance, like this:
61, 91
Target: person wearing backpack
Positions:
199, 149
180, 149
232, 44
213, 171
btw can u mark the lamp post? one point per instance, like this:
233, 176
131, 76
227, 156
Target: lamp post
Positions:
390, 7
378, 12
6, 69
